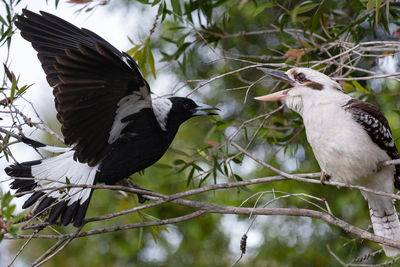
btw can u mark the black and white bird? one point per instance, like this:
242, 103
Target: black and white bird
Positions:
349, 138
109, 121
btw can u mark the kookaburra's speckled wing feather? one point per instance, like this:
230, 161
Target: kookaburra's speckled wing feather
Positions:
89, 77
376, 125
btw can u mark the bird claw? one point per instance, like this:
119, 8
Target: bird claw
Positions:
324, 177
380, 166
126, 182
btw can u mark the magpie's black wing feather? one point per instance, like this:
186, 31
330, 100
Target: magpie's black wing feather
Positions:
89, 77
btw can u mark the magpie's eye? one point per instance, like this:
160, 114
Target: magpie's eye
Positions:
186, 106
301, 77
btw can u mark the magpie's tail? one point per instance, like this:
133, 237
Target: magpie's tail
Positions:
46, 180
23, 170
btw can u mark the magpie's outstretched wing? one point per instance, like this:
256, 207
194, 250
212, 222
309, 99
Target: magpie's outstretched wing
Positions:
91, 79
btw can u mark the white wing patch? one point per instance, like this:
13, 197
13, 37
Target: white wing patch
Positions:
161, 109
56, 149
53, 172
126, 59
128, 105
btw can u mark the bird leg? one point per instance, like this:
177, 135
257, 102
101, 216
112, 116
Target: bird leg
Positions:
127, 182
324, 177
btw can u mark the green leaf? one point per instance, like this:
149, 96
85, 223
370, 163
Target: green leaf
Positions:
300, 10
6, 34
168, 39
19, 216
176, 28
2, 21
370, 4
9, 211
162, 166
387, 11
190, 177
150, 59
238, 178
317, 19
360, 88
164, 12
377, 7
197, 167
216, 164
203, 179
181, 40
134, 50
23, 89
155, 2
179, 152
214, 172
139, 56
6, 199
176, 6
237, 160
306, 8
261, 8
13, 88
13, 231
226, 171
179, 162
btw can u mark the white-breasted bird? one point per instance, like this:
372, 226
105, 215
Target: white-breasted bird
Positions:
349, 138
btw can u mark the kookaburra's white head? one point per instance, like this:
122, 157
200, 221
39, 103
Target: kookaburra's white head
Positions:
309, 87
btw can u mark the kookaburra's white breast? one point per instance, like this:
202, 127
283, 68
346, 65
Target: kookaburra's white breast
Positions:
341, 146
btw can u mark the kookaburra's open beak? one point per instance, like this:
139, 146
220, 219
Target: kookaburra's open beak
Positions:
280, 75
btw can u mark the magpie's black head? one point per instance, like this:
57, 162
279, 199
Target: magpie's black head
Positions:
185, 108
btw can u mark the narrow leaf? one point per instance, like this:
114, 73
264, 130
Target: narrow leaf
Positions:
377, 7
306, 8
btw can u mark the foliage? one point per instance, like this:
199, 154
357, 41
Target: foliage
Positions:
214, 47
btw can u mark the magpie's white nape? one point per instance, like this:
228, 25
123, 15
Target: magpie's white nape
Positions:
349, 138
110, 124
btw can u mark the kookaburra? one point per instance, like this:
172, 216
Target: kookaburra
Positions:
349, 138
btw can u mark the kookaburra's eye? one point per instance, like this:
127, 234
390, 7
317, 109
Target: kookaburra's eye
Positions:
301, 77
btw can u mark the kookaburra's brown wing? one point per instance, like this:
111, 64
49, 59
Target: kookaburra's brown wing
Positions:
376, 125
89, 77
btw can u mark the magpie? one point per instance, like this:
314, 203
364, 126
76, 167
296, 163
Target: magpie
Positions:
349, 138
110, 123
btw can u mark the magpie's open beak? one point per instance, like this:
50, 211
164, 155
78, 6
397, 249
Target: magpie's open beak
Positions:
204, 109
280, 75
